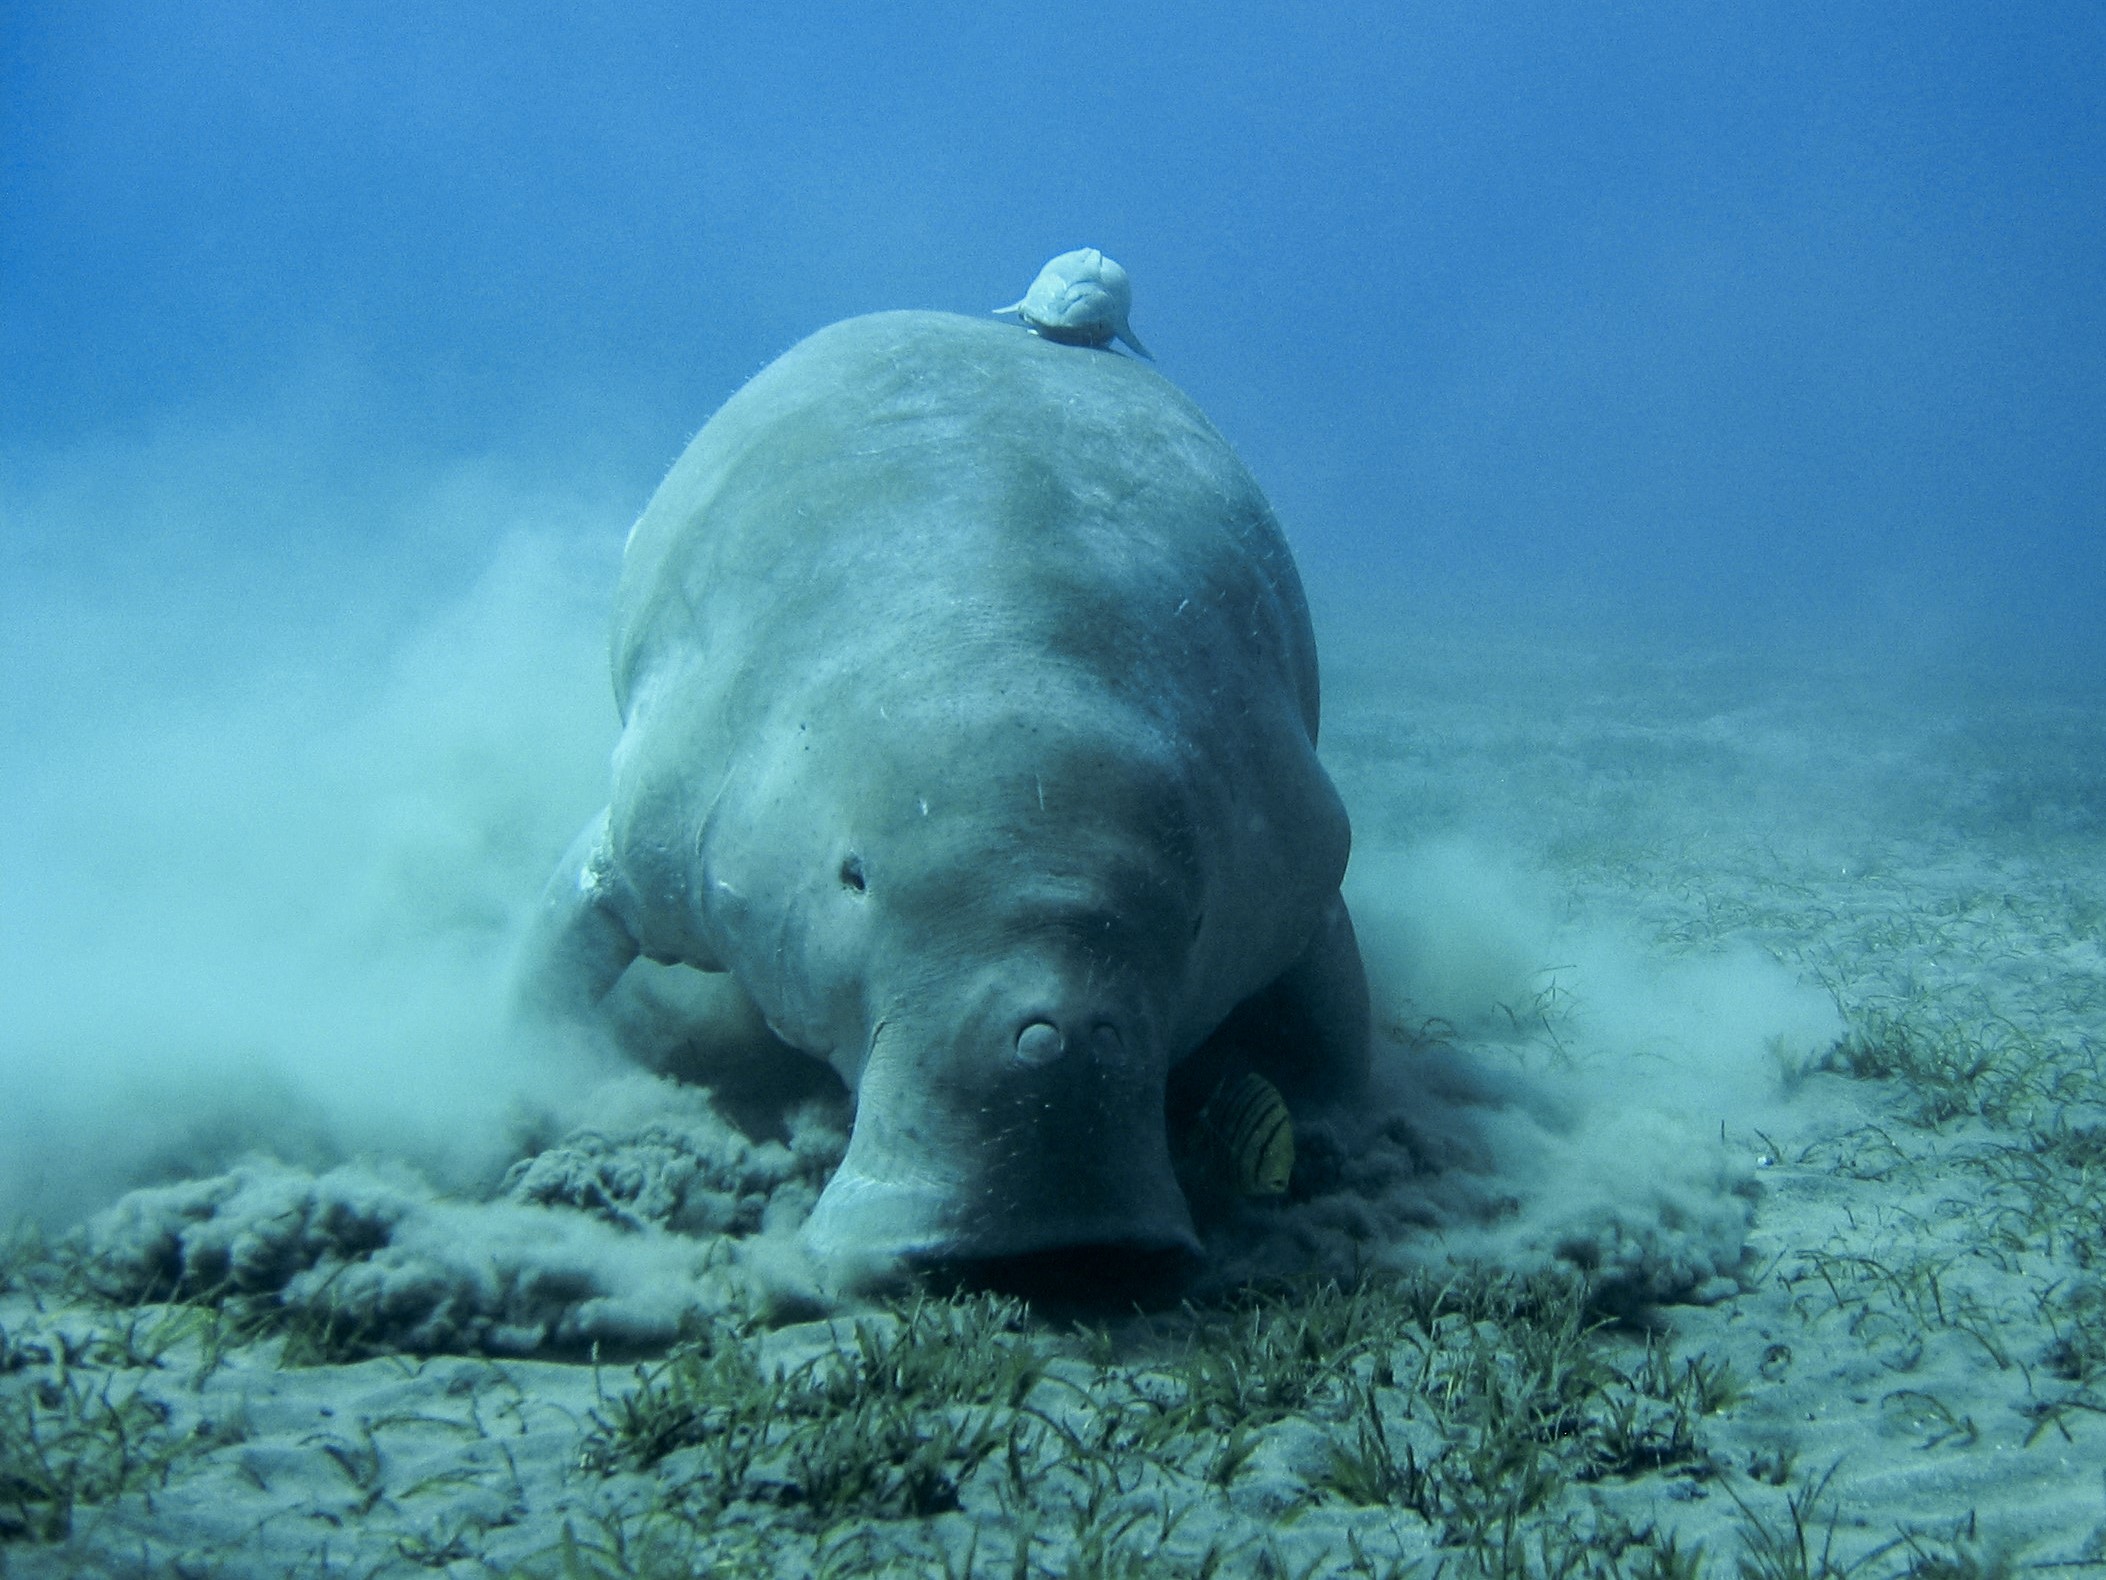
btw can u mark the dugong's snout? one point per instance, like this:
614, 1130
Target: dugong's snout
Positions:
872, 1234
1041, 1163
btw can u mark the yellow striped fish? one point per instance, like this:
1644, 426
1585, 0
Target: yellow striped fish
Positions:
1253, 1134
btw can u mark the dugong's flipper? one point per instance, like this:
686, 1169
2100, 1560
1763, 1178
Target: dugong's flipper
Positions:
1081, 298
1307, 1032
578, 945
1324, 995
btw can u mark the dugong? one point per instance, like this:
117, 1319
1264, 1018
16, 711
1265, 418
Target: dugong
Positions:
968, 721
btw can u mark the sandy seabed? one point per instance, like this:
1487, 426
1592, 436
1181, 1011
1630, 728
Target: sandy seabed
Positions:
1736, 1205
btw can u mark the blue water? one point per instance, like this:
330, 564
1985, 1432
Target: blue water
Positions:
1784, 323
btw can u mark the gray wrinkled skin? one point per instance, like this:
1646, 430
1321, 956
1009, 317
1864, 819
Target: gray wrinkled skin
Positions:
969, 703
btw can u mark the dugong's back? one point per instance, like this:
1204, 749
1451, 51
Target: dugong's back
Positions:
918, 503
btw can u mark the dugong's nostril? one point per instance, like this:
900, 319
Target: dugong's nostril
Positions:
1104, 1041
1038, 1043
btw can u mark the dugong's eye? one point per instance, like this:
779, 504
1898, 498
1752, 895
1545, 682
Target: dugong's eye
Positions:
852, 875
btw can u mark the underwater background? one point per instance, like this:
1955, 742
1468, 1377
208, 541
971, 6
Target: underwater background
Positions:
1690, 426
1778, 324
